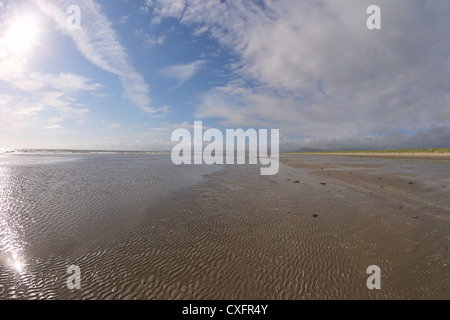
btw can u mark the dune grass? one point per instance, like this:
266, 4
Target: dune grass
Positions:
399, 151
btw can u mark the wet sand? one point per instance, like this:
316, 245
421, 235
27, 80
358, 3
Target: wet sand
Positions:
306, 233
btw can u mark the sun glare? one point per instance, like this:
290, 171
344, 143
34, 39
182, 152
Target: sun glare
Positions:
22, 34
18, 265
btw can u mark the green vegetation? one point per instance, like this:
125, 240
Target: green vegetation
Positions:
419, 150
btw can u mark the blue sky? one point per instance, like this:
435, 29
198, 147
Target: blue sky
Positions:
138, 69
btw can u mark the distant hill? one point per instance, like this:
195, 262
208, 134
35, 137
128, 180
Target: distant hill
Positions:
309, 150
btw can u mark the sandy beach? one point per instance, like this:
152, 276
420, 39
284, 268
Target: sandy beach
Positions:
224, 150
309, 232
394, 155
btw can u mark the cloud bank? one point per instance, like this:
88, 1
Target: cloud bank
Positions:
321, 76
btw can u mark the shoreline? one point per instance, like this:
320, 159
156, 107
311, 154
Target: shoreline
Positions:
418, 155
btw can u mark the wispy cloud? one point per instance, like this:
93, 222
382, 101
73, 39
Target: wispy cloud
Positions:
53, 127
183, 72
148, 39
159, 129
19, 112
145, 7
34, 94
61, 103
97, 41
114, 126
124, 19
159, 112
66, 82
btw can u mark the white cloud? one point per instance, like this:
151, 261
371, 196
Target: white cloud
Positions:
19, 112
124, 19
66, 82
11, 67
53, 127
183, 125
114, 126
319, 72
144, 10
183, 72
159, 129
99, 44
61, 103
169, 9
150, 40
200, 31
157, 113
40, 92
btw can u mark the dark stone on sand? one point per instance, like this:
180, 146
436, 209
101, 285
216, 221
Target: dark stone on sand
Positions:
297, 182
323, 183
411, 183
315, 215
400, 207
415, 217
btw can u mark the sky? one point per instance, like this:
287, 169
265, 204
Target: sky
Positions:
136, 70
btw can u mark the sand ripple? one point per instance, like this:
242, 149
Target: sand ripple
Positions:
235, 238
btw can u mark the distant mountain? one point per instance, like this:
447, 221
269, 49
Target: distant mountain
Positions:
309, 150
